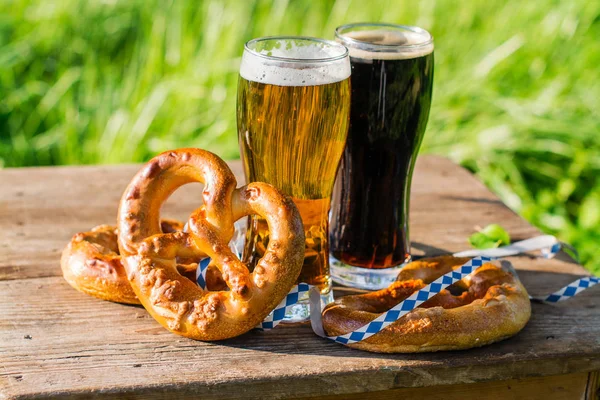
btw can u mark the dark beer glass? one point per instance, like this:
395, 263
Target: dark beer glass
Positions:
392, 77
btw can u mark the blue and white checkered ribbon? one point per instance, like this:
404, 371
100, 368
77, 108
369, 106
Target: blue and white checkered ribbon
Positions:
201, 272
278, 314
570, 290
550, 252
549, 246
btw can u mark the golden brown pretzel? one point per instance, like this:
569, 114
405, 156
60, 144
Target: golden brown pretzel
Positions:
487, 306
91, 263
149, 256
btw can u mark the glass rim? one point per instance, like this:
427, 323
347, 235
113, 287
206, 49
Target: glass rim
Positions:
368, 46
331, 43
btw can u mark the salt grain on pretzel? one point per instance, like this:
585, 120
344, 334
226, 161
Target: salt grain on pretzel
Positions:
149, 256
488, 306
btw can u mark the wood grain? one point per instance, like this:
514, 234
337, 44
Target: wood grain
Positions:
562, 387
57, 341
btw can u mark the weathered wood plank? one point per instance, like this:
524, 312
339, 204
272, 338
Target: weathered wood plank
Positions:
54, 340
563, 387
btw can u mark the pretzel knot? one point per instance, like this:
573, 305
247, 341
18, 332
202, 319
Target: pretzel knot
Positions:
150, 256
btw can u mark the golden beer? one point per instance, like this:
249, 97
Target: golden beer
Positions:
292, 127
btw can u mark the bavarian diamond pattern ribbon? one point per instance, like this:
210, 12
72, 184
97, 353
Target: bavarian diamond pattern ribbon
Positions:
550, 252
201, 272
570, 290
278, 314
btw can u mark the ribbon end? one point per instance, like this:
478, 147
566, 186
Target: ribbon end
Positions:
315, 311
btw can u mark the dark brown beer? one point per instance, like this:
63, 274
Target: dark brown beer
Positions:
391, 96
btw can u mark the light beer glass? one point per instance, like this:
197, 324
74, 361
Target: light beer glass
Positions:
392, 79
292, 115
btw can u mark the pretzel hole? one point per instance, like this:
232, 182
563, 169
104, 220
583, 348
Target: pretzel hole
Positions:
257, 238
183, 202
105, 243
187, 271
457, 289
166, 227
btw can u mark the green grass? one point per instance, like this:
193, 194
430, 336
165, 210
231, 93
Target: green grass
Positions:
516, 94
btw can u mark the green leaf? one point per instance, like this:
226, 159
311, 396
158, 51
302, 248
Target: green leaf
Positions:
481, 241
497, 233
491, 236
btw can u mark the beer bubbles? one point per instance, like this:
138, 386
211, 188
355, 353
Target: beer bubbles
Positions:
386, 44
283, 62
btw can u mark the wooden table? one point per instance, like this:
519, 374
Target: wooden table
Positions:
57, 341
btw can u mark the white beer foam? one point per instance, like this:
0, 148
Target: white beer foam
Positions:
295, 68
410, 44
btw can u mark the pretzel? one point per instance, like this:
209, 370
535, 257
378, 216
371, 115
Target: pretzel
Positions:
149, 256
488, 306
91, 264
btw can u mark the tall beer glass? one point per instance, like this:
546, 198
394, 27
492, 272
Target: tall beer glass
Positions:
392, 77
292, 115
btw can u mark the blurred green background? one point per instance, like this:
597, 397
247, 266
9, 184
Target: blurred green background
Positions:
516, 94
